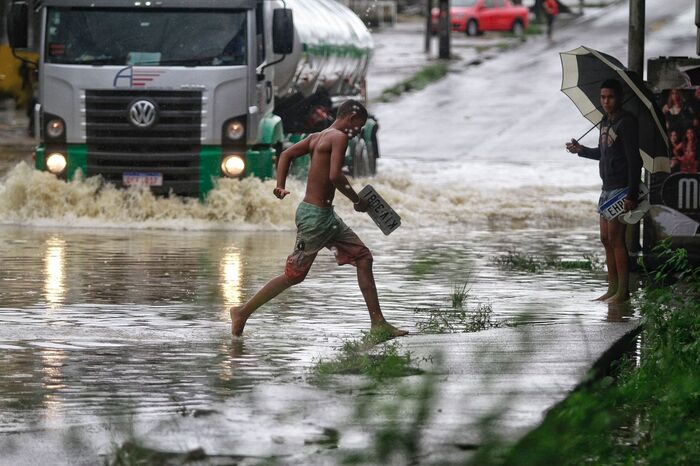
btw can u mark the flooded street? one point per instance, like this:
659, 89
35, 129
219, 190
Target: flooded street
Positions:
114, 303
98, 323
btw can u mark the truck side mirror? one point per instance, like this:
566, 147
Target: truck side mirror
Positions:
18, 25
282, 31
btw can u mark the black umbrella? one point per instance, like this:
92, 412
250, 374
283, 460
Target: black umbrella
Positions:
584, 69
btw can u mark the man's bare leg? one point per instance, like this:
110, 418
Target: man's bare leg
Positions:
365, 279
240, 314
617, 238
605, 238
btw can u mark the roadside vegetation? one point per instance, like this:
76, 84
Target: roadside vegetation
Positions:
648, 411
459, 314
515, 260
371, 356
534, 29
132, 453
426, 75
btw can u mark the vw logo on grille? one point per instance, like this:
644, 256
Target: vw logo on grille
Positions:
142, 113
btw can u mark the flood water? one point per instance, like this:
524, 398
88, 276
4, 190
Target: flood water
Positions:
114, 303
98, 322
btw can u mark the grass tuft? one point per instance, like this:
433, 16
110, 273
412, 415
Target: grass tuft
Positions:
131, 453
426, 75
514, 260
366, 356
458, 317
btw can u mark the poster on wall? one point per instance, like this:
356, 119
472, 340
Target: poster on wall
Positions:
681, 110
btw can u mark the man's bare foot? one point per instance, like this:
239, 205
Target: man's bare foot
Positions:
619, 298
609, 294
237, 320
385, 328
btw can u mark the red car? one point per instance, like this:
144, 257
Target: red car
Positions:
476, 16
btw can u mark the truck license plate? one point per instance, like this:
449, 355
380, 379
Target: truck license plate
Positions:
383, 215
147, 179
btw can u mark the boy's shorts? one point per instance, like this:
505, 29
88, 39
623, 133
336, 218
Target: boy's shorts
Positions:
318, 228
605, 196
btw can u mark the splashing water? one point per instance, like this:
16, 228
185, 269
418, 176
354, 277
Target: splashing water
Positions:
31, 197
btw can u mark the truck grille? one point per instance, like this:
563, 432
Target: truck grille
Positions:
170, 146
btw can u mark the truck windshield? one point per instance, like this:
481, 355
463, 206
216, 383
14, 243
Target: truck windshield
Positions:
94, 36
463, 2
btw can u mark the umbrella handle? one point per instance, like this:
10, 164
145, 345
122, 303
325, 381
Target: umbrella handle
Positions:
591, 129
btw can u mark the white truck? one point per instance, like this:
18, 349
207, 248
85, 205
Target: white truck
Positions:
177, 93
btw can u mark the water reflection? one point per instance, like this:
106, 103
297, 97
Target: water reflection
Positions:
231, 277
53, 361
620, 312
143, 323
54, 272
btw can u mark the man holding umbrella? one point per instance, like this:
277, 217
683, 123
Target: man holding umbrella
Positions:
632, 134
620, 166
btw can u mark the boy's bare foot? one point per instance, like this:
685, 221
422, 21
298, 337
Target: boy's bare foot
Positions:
237, 320
388, 329
609, 294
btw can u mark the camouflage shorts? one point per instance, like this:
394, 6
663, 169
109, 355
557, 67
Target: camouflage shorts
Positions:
318, 228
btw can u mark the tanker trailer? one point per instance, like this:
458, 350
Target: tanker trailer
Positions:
174, 94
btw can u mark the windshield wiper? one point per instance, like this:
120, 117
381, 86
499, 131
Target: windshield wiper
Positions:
99, 61
194, 61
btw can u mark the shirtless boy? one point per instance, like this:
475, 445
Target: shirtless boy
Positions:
317, 224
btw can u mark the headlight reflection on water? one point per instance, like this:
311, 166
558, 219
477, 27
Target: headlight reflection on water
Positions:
54, 272
230, 270
52, 382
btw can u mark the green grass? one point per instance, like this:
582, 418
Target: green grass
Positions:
459, 295
457, 320
534, 29
596, 4
399, 420
426, 75
481, 48
649, 412
459, 315
370, 356
514, 260
424, 265
133, 454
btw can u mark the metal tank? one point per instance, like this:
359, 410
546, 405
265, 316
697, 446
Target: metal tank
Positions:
332, 49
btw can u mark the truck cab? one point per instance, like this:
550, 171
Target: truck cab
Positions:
172, 94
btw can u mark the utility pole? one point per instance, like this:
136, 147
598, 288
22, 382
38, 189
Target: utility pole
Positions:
635, 62
429, 23
635, 50
444, 29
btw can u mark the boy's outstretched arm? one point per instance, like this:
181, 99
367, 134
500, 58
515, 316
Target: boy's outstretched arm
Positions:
339, 145
285, 160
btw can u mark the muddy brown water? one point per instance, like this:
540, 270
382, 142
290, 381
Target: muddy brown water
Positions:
95, 322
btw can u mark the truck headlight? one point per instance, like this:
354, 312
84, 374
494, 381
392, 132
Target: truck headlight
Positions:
56, 163
233, 165
55, 128
235, 130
